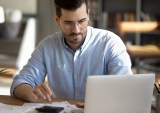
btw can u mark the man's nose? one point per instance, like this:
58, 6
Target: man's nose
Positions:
76, 28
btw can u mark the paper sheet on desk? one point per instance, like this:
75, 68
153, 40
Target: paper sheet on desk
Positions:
4, 108
30, 107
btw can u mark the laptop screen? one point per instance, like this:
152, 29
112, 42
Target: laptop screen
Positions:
119, 93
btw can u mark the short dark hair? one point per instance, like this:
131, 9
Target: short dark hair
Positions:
68, 5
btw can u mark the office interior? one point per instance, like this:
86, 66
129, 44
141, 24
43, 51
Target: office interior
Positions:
26, 23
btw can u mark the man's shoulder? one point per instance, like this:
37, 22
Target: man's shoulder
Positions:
102, 33
53, 37
51, 40
99, 31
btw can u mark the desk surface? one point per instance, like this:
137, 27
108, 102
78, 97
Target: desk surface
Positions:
6, 99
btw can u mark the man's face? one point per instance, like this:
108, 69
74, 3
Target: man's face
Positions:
74, 24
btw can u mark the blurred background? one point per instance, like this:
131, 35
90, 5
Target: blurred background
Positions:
23, 23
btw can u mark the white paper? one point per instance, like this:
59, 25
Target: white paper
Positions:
30, 107
4, 108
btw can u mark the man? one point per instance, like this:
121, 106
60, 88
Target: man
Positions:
67, 58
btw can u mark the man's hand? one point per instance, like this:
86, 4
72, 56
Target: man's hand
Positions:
41, 92
80, 104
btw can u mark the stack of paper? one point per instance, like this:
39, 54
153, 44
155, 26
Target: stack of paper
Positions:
30, 107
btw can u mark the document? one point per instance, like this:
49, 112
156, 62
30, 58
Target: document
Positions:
4, 108
30, 107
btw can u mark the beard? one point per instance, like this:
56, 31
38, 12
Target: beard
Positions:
75, 38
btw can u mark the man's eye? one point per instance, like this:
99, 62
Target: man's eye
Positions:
81, 21
68, 23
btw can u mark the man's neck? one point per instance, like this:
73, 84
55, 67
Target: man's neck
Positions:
74, 47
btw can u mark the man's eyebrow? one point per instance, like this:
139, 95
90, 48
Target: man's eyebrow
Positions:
68, 21
74, 21
82, 19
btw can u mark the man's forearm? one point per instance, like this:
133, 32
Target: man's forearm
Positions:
41, 92
23, 92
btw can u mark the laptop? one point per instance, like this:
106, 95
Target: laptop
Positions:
119, 93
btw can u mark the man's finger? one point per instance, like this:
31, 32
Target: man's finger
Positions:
38, 92
47, 88
48, 91
33, 97
48, 98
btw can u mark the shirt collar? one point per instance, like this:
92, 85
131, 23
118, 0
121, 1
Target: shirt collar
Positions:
87, 38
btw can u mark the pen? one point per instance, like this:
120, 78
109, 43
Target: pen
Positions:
157, 81
157, 88
159, 84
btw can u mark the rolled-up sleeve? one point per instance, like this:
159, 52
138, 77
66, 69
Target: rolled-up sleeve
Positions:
33, 72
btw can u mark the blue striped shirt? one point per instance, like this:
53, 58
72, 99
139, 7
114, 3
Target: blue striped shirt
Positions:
102, 53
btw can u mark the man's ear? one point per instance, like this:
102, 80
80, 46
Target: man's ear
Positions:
56, 18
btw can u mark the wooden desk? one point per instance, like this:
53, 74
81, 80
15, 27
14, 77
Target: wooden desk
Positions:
6, 99
14, 101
